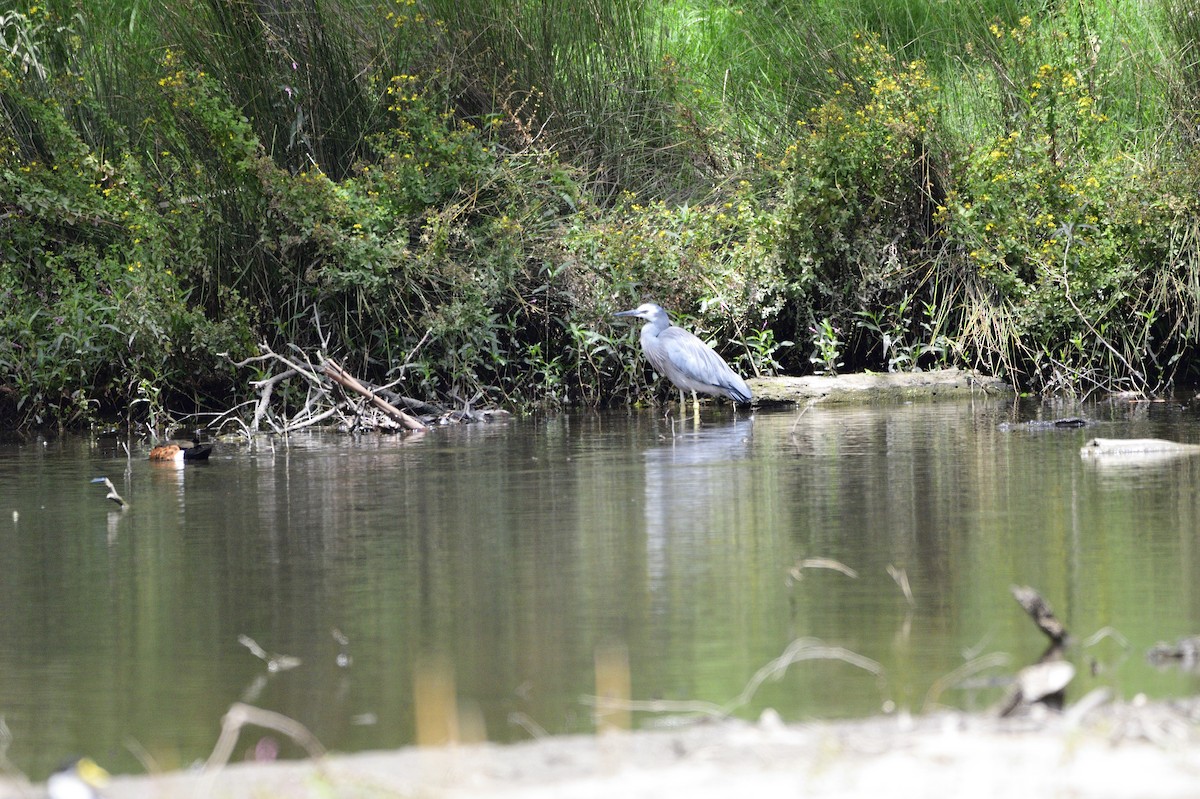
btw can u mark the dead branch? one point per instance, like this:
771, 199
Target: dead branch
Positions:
265, 389
322, 402
1040, 612
334, 371
240, 715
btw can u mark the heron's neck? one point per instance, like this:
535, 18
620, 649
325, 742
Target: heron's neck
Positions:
655, 328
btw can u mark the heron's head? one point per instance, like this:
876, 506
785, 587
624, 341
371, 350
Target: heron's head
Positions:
648, 311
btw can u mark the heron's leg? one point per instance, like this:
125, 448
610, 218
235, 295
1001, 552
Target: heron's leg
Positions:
696, 409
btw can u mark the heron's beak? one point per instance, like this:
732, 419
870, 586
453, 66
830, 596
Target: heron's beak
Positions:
626, 313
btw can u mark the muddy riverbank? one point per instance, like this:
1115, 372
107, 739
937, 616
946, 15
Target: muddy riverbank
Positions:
878, 387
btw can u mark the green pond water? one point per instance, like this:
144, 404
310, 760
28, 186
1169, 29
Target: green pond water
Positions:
509, 554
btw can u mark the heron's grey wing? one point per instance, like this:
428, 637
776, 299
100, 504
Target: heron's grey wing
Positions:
700, 365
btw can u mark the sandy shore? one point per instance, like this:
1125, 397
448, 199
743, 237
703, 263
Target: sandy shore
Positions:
1101, 750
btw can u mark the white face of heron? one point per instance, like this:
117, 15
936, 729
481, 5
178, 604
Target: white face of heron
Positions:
650, 313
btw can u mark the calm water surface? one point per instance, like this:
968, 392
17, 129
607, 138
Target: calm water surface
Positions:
512, 552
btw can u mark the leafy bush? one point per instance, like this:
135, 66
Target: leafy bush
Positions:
857, 192
92, 307
1058, 223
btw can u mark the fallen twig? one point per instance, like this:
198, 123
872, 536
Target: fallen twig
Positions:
274, 662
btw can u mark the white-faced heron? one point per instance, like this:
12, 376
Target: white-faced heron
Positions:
685, 360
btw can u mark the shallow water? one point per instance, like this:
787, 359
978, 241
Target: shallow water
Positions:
510, 554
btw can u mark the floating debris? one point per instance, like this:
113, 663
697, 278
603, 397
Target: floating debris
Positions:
112, 493
274, 662
1185, 652
343, 659
1099, 447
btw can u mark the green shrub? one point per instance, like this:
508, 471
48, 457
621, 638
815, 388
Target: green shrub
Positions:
93, 305
857, 192
1059, 222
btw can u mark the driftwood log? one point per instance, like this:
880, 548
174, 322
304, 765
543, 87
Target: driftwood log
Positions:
1102, 447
